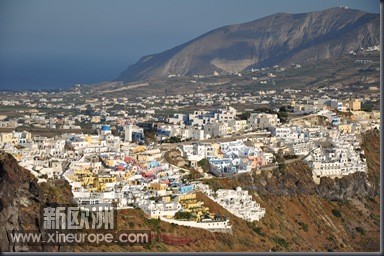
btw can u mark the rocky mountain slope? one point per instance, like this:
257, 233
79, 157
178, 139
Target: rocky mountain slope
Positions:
21, 199
276, 39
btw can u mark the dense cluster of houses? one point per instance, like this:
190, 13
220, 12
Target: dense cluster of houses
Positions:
103, 169
157, 188
107, 168
342, 156
236, 157
85, 112
299, 137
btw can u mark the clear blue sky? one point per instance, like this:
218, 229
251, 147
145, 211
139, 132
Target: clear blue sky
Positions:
51, 43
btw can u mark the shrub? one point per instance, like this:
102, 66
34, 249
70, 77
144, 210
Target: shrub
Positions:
282, 167
204, 164
289, 156
336, 213
174, 139
154, 223
258, 230
228, 242
280, 241
303, 226
360, 230
183, 215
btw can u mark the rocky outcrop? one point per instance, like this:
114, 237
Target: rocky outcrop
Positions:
21, 199
276, 39
296, 179
351, 186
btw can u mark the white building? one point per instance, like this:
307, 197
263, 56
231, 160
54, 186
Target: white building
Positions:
263, 121
193, 133
216, 129
178, 119
159, 210
197, 151
237, 125
229, 113
343, 158
239, 203
208, 224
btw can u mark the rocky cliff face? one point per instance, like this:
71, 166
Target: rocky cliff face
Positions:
297, 180
356, 185
277, 39
21, 198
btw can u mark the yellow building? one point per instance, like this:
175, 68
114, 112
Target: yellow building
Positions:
190, 203
97, 183
87, 181
128, 174
216, 150
80, 175
158, 186
95, 119
107, 179
167, 199
355, 105
138, 149
345, 128
90, 181
110, 162
6, 137
148, 156
187, 196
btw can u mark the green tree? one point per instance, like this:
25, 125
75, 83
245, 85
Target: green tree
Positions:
204, 164
336, 213
180, 215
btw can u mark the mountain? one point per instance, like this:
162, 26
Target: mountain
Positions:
276, 39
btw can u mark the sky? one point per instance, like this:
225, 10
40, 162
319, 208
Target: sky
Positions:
47, 44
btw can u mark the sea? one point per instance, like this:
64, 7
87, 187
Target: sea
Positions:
56, 74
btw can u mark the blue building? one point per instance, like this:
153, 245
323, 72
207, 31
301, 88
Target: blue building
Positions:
335, 120
105, 129
186, 188
163, 132
222, 166
153, 164
138, 136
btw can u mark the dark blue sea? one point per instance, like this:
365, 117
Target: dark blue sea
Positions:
56, 74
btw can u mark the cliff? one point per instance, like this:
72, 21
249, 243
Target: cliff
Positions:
21, 199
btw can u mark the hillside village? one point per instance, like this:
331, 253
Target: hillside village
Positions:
260, 135
155, 152
122, 166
